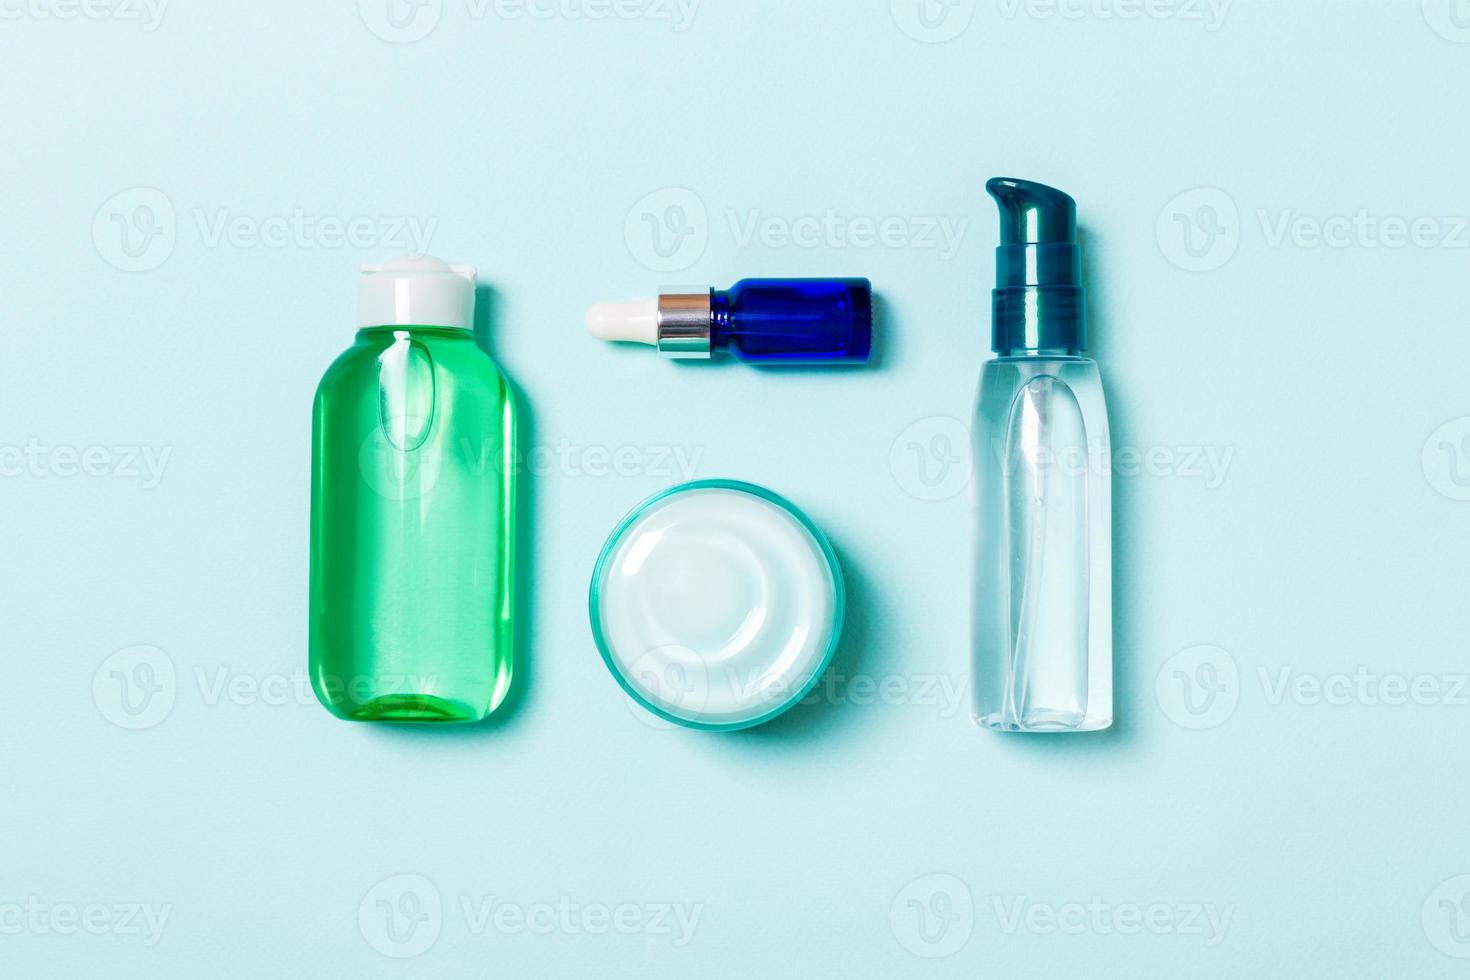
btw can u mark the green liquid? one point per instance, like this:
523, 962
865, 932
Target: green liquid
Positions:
412, 528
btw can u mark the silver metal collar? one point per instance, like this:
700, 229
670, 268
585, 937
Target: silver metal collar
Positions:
684, 324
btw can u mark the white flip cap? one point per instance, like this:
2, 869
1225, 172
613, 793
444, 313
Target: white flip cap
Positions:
417, 291
636, 320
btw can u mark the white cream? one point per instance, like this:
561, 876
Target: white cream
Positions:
717, 606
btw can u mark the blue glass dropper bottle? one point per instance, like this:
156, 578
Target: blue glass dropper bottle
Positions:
795, 321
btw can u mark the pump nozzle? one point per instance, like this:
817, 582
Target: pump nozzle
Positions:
1037, 301
1032, 213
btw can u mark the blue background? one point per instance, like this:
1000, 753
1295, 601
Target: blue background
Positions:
875, 832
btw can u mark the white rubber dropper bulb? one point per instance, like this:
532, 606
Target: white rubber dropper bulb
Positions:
636, 320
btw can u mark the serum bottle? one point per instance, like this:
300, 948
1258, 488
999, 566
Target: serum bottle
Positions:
1042, 605
766, 321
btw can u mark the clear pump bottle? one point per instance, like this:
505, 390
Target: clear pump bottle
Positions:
1042, 628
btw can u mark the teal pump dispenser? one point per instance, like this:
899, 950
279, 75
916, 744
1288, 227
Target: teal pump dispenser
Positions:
1037, 301
1041, 496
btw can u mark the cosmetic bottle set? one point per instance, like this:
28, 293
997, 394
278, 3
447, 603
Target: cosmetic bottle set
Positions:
716, 605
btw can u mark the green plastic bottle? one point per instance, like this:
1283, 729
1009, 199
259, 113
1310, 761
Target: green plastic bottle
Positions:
413, 508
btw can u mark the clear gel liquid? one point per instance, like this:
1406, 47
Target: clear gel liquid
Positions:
1042, 630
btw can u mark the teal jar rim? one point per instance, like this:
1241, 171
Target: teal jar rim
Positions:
839, 603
